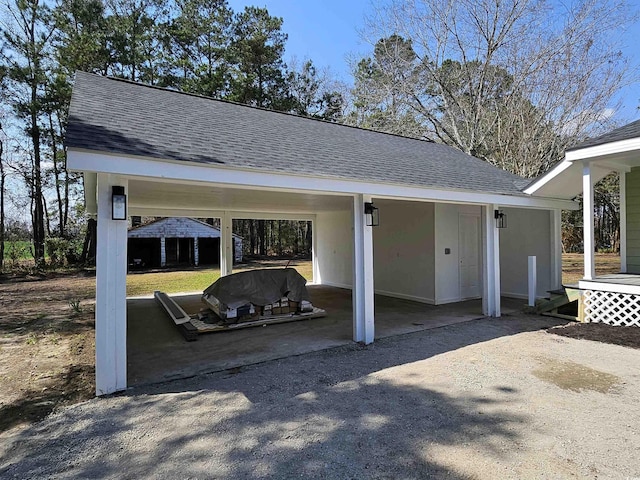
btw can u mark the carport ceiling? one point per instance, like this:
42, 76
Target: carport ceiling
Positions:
147, 195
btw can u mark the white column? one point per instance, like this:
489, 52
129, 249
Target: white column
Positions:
196, 251
363, 290
532, 280
163, 252
226, 244
491, 263
587, 220
623, 222
556, 248
314, 252
111, 292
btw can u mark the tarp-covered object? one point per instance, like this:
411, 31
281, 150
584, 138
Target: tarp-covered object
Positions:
259, 287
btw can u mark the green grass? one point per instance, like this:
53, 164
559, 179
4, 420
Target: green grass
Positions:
191, 280
18, 250
171, 282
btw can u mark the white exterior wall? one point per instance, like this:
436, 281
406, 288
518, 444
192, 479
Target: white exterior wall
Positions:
334, 252
403, 246
528, 233
447, 273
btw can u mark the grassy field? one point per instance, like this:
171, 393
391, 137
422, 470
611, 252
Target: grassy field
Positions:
196, 280
573, 266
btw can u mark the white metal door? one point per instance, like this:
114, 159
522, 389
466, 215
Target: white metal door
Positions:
469, 255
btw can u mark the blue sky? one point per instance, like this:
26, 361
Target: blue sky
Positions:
326, 31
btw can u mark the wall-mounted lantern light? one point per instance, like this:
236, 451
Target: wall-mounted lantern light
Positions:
118, 203
371, 214
501, 218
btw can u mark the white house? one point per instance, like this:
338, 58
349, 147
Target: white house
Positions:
179, 155
613, 299
177, 240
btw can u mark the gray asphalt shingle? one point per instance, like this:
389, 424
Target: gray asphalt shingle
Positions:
116, 116
626, 132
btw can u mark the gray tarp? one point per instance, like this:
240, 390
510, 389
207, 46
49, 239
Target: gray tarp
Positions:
260, 287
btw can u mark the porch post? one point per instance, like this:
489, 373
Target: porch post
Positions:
363, 292
226, 244
163, 252
556, 248
196, 251
587, 220
491, 263
111, 292
623, 222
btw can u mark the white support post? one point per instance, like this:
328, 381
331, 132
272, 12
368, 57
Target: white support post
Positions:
533, 280
314, 253
111, 292
623, 222
226, 244
587, 219
163, 251
196, 251
491, 263
556, 248
363, 288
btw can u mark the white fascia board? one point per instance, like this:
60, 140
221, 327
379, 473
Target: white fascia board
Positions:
611, 148
594, 284
547, 177
142, 167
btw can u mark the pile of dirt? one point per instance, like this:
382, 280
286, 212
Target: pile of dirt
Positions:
600, 332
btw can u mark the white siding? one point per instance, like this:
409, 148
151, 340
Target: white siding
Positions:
528, 232
334, 232
403, 250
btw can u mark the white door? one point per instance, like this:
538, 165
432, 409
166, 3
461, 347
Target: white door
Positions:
469, 255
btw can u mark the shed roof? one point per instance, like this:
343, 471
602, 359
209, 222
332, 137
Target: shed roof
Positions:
121, 117
175, 227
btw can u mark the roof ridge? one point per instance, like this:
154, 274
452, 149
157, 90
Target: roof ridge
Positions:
255, 107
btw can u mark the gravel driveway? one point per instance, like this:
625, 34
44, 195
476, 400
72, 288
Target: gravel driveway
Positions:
491, 398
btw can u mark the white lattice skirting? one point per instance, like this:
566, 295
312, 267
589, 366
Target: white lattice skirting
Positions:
618, 309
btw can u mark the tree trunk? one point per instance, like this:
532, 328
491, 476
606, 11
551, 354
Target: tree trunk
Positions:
2, 179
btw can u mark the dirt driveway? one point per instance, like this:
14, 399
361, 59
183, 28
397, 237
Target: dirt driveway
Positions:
491, 398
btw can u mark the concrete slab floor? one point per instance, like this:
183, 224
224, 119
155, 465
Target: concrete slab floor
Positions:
157, 351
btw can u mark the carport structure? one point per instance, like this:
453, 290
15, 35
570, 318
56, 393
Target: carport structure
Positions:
176, 154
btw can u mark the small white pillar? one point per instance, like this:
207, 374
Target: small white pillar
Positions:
111, 292
623, 222
587, 219
363, 288
491, 263
226, 244
533, 280
196, 251
163, 252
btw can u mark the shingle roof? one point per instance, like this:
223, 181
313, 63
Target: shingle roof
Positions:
630, 130
117, 116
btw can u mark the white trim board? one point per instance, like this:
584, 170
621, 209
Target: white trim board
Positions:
609, 287
206, 174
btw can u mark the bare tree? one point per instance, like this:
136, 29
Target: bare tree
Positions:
513, 82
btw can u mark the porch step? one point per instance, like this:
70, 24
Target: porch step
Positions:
558, 299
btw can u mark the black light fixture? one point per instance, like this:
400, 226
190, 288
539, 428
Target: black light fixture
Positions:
501, 218
118, 203
371, 214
